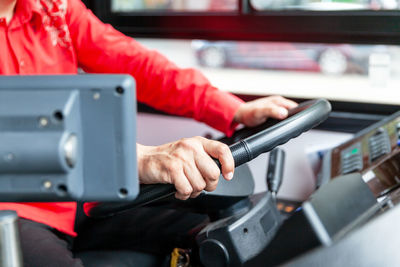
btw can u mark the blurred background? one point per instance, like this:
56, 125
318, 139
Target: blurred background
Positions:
349, 72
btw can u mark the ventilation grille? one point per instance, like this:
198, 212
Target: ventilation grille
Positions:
351, 159
378, 144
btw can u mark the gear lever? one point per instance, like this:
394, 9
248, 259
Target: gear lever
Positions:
275, 170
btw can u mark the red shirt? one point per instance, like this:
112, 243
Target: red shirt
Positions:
57, 36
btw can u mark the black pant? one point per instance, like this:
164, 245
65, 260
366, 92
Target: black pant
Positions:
44, 246
112, 241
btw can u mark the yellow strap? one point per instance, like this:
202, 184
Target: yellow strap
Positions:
175, 257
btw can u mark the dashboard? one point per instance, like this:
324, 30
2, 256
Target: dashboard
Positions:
374, 152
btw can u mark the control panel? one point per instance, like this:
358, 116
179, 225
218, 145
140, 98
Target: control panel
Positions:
374, 152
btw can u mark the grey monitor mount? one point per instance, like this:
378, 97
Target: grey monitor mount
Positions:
70, 137
63, 138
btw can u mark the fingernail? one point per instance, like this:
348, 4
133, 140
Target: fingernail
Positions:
283, 112
229, 176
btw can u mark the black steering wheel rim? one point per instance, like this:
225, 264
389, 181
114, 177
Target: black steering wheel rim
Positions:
252, 142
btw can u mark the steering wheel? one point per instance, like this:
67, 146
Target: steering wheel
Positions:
248, 143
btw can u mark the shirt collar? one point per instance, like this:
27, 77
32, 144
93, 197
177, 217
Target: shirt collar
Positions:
25, 11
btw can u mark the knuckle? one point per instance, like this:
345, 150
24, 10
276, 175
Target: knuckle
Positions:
187, 144
181, 197
199, 187
219, 150
226, 149
199, 138
178, 158
214, 175
173, 167
182, 143
222, 149
269, 108
187, 191
274, 98
196, 188
259, 111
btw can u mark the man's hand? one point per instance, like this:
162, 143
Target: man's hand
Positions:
255, 112
187, 164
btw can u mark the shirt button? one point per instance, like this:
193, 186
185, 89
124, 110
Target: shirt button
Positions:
22, 63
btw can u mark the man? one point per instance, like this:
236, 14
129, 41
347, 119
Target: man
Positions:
57, 36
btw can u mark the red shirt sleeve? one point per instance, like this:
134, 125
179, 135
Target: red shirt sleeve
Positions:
160, 83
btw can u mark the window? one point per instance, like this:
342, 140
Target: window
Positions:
342, 72
342, 50
325, 5
173, 5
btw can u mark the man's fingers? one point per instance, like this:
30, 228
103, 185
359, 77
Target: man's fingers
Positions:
283, 102
208, 170
182, 186
255, 112
187, 164
274, 111
195, 179
221, 152
276, 107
